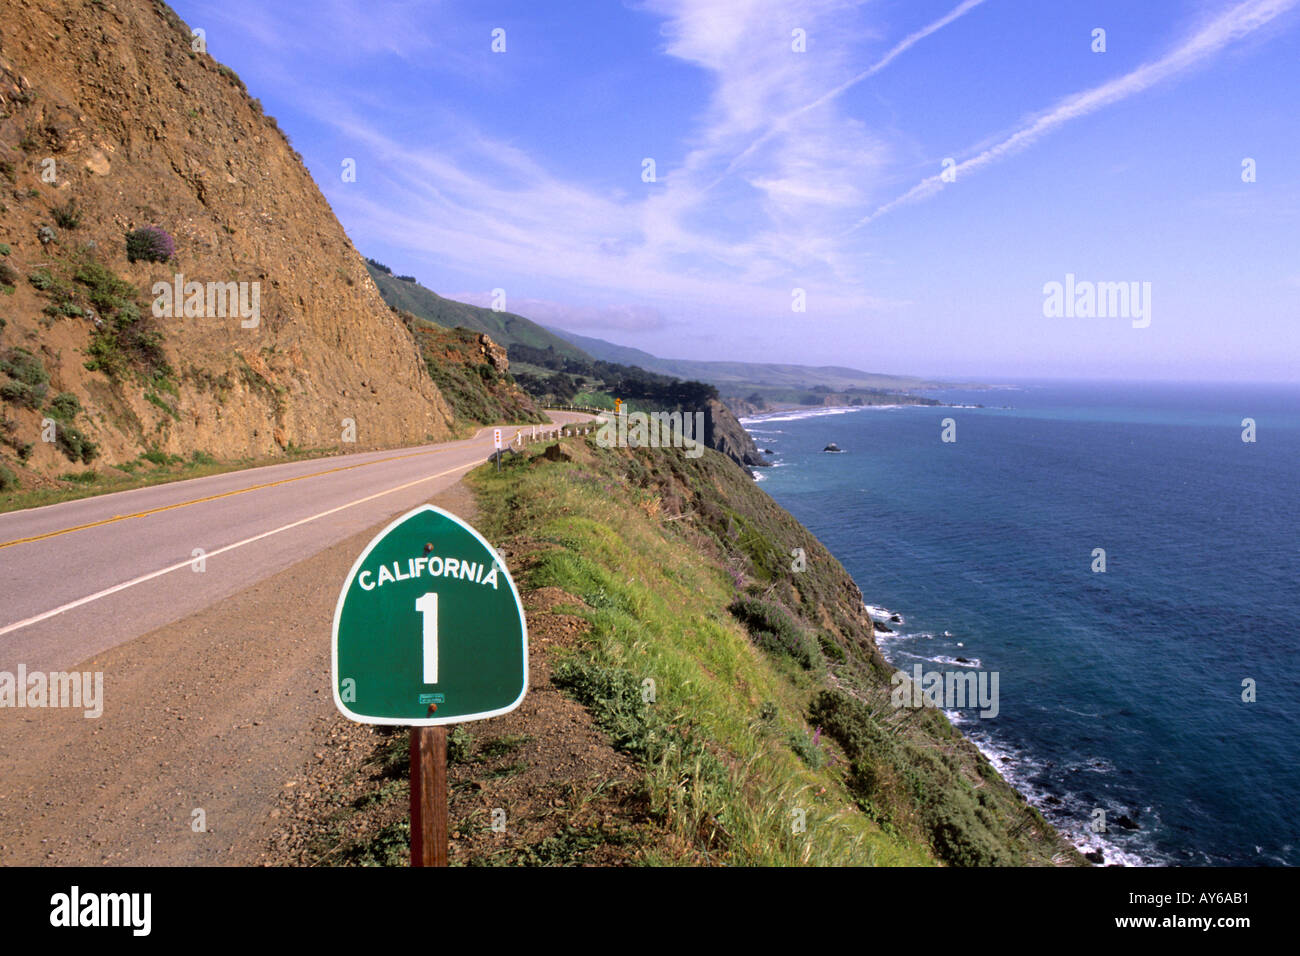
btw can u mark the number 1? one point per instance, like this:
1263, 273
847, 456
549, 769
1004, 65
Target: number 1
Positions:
428, 608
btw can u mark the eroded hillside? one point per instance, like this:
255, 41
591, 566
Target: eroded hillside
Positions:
110, 122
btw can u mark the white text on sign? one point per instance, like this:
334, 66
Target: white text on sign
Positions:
432, 566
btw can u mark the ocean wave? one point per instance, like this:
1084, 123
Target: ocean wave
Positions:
1045, 786
791, 416
1020, 769
969, 663
883, 614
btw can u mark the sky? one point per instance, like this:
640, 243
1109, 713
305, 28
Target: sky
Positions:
914, 173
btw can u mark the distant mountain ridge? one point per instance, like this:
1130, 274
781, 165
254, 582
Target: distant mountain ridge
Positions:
744, 374
422, 308
504, 328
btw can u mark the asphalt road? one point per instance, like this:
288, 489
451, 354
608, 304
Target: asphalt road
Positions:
84, 576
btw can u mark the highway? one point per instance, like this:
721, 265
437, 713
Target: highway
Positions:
85, 576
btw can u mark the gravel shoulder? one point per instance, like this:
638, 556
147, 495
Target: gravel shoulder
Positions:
219, 744
218, 713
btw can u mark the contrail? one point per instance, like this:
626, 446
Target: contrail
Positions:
901, 47
1231, 26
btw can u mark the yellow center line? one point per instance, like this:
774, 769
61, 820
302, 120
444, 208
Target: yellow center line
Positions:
224, 494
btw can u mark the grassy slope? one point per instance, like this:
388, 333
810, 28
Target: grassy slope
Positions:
728, 748
505, 328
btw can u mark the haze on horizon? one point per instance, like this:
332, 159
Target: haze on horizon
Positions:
820, 170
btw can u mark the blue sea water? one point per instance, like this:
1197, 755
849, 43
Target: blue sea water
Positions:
1119, 690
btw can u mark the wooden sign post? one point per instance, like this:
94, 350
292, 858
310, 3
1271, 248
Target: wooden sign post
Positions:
429, 796
429, 631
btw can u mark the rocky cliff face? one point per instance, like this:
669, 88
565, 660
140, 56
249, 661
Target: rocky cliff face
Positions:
741, 407
110, 121
725, 434
472, 372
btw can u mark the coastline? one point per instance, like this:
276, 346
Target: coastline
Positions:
1016, 768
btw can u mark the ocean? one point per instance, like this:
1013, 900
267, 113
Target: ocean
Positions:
1120, 690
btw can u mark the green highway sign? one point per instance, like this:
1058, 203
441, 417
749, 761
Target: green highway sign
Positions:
429, 628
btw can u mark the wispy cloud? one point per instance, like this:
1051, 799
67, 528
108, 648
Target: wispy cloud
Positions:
768, 166
1233, 25
486, 205
895, 51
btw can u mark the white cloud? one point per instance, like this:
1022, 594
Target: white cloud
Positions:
1230, 26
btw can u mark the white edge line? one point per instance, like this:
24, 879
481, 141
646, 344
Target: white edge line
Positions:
18, 625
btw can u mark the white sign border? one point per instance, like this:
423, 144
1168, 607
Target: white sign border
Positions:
338, 613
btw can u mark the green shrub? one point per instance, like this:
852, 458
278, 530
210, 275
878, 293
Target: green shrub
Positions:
772, 629
67, 308
8, 480
75, 445
460, 745
231, 75
104, 289
29, 382
67, 216
887, 767
20, 393
613, 695
127, 341
64, 407
830, 650
807, 749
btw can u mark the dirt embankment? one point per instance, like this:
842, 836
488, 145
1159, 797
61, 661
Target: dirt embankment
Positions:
111, 121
